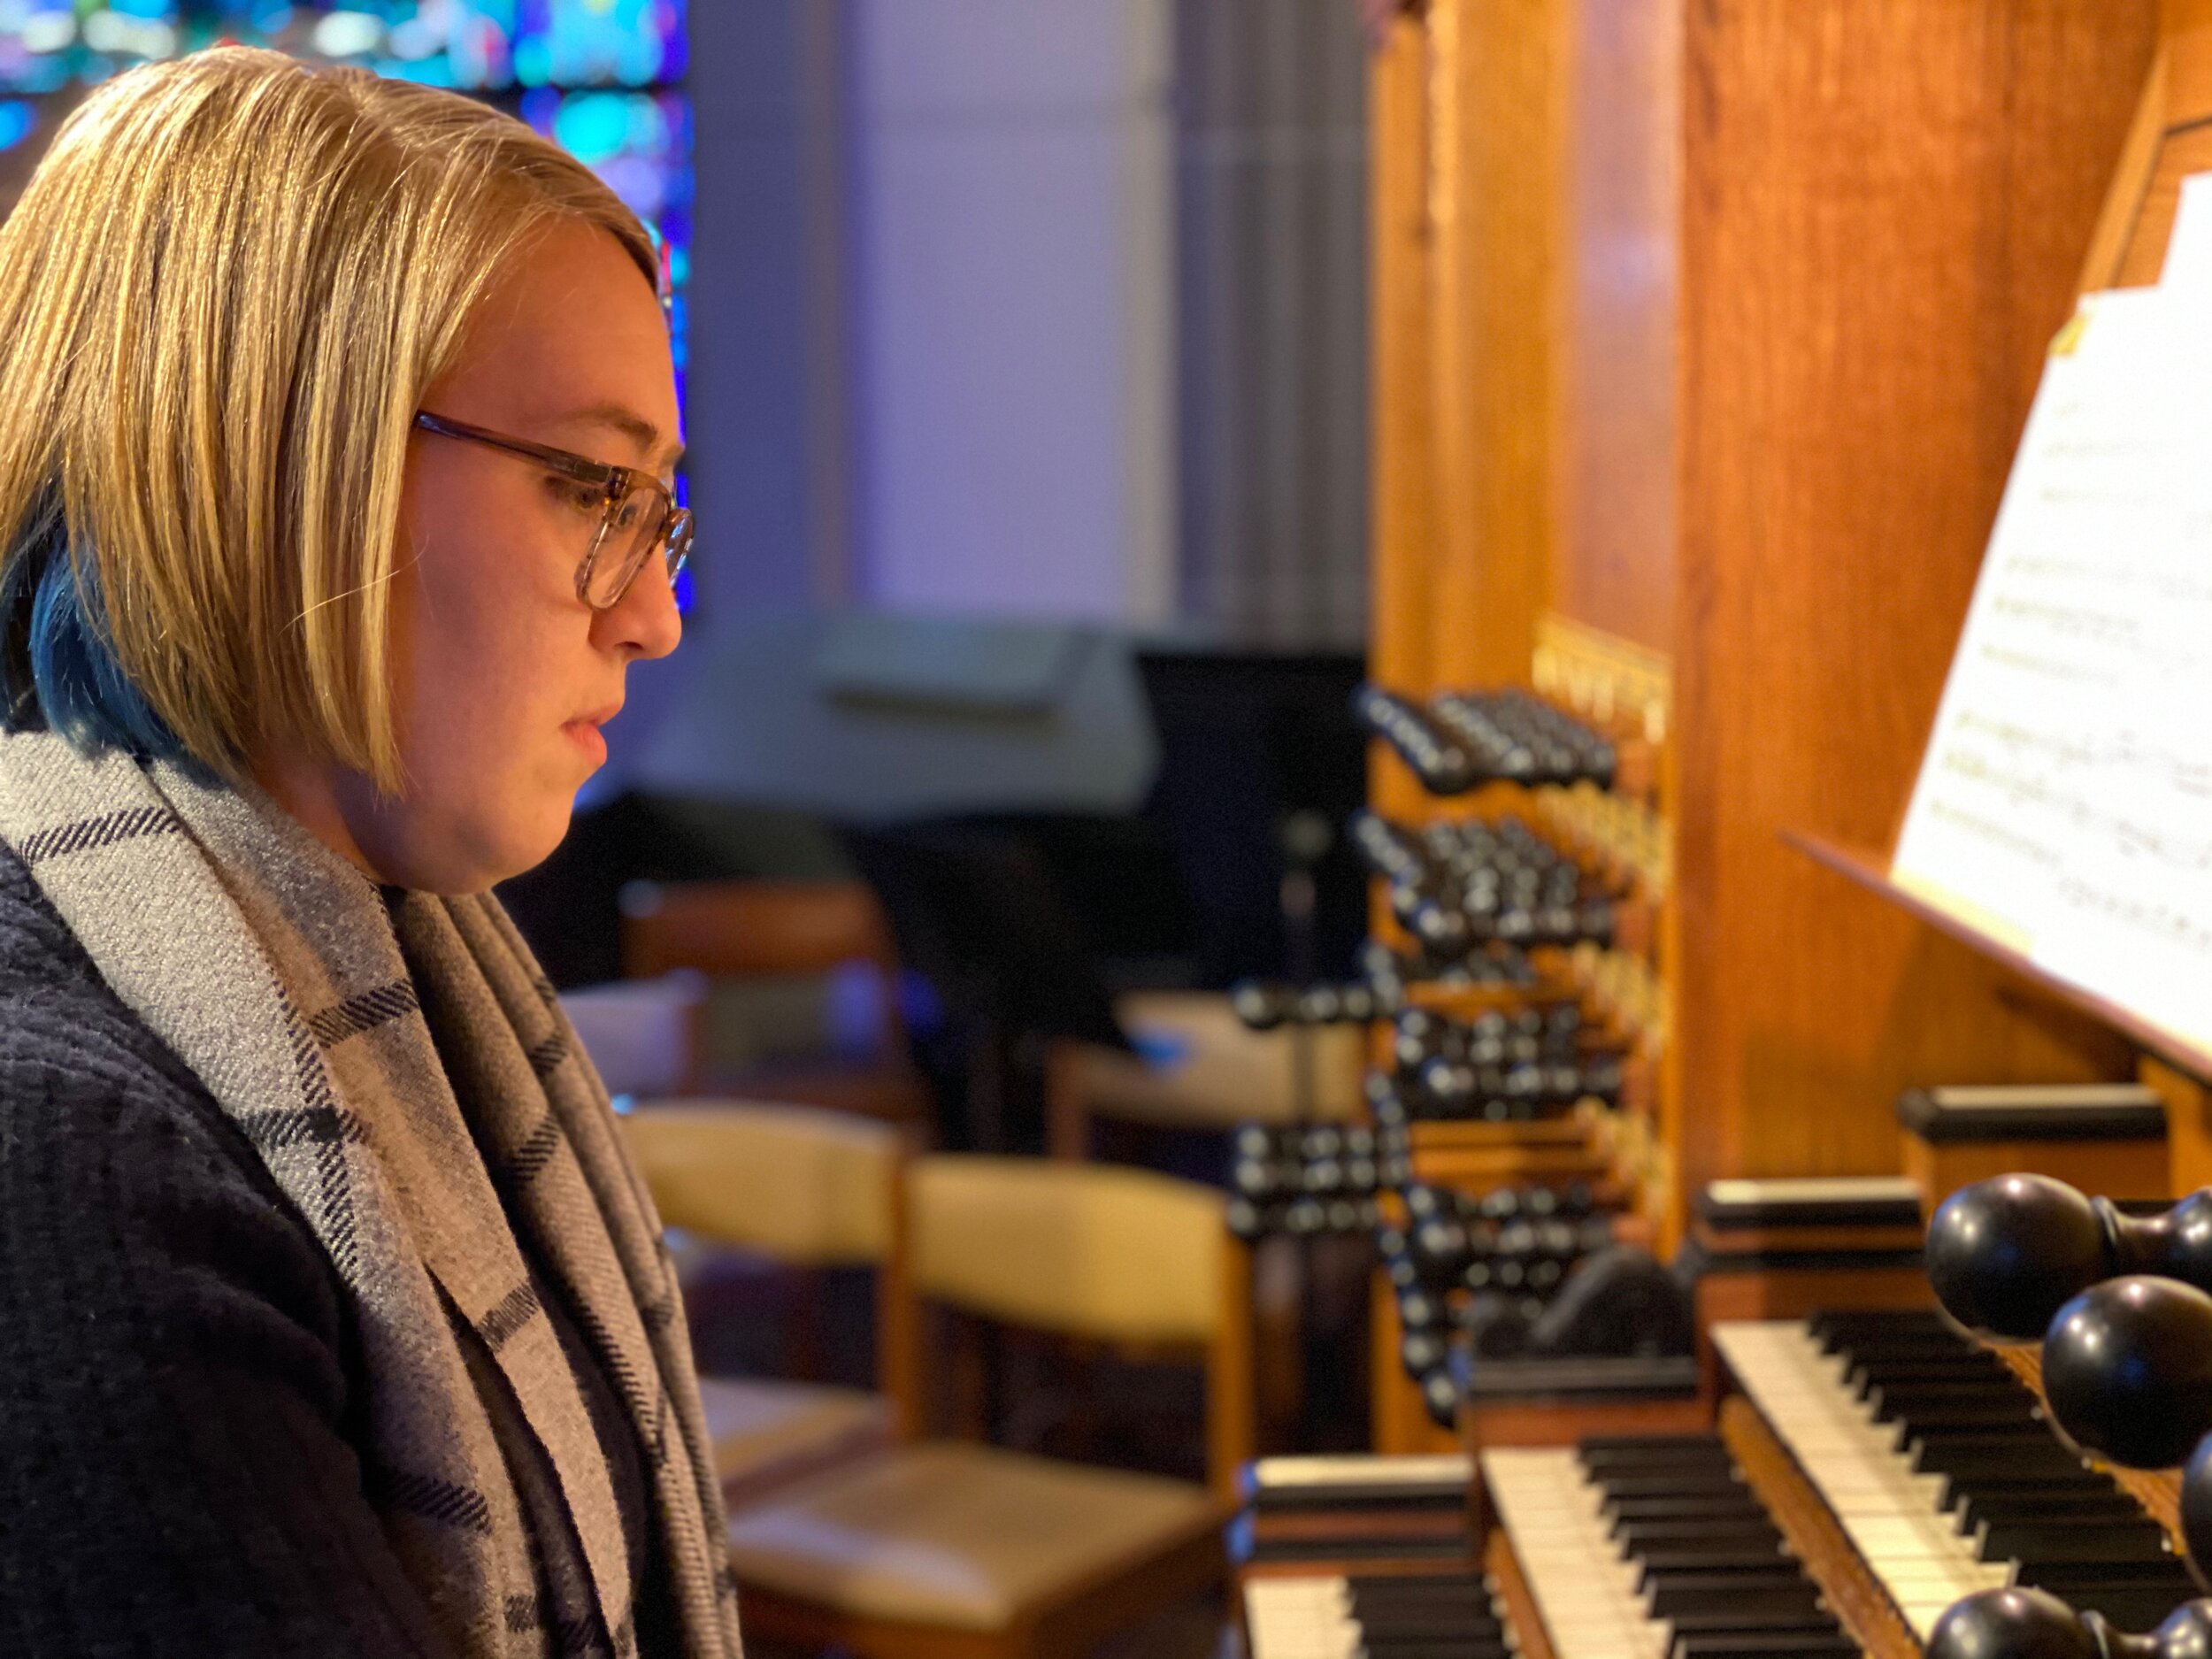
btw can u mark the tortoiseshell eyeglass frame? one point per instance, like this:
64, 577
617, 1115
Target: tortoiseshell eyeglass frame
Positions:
671, 538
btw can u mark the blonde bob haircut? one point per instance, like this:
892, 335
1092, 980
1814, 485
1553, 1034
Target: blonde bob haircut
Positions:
222, 296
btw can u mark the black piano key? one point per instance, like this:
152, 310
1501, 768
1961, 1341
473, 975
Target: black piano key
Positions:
1443, 1617
1660, 1566
1680, 1594
1626, 1511
2150, 1573
2082, 1503
2002, 1460
1637, 1537
1925, 1365
1951, 1402
2068, 1540
1864, 1384
1398, 1612
1447, 1594
1890, 1324
1430, 1587
1648, 1445
1726, 1621
1688, 1484
1806, 1644
2129, 1610
1604, 1460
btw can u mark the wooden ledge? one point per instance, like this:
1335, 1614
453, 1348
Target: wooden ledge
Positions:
1870, 871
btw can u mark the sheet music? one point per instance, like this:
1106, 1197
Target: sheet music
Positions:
2065, 801
2189, 248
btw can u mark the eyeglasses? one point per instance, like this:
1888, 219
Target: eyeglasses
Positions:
635, 516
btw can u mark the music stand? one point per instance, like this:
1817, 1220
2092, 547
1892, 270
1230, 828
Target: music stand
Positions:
978, 917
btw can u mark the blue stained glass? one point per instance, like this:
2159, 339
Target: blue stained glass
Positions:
598, 43
46, 45
640, 143
478, 45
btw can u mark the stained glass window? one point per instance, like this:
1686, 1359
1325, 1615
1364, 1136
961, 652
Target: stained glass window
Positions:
478, 45
640, 143
48, 45
597, 76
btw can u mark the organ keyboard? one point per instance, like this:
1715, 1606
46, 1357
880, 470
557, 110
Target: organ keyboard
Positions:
1353, 1555
1940, 1470
1655, 1548
1329, 1616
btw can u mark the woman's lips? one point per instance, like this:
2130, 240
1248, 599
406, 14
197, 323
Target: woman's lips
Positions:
586, 735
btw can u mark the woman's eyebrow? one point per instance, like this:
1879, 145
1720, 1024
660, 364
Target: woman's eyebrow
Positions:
633, 425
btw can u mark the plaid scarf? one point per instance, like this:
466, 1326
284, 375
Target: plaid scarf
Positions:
274, 971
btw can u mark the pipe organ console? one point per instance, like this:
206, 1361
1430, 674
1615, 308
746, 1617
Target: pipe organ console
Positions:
1923, 1491
1887, 1478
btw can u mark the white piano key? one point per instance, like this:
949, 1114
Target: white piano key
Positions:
1583, 1592
1888, 1511
1300, 1618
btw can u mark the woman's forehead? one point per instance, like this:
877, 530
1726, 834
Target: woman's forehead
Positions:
575, 338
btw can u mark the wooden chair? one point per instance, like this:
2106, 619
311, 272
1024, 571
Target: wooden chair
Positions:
946, 1550
812, 1190
747, 934
1197, 1066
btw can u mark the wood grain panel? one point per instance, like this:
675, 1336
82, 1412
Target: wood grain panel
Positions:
1885, 207
1614, 568
1402, 463
2188, 1125
1498, 82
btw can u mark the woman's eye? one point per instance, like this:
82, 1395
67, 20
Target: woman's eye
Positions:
571, 493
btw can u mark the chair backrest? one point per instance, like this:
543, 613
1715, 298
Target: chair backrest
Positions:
1197, 1064
1119, 1256
753, 929
809, 1187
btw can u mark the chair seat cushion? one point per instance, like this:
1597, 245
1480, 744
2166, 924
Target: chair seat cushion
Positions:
768, 1435
962, 1537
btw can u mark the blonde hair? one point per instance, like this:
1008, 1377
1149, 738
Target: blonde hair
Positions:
223, 295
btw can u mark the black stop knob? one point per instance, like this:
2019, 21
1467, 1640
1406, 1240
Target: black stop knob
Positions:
2127, 1368
2011, 1625
2004, 1255
2187, 1634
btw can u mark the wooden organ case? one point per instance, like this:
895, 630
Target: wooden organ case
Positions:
1704, 334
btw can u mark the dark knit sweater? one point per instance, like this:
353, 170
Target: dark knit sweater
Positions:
181, 1394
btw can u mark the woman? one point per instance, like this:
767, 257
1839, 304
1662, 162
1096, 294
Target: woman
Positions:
335, 423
